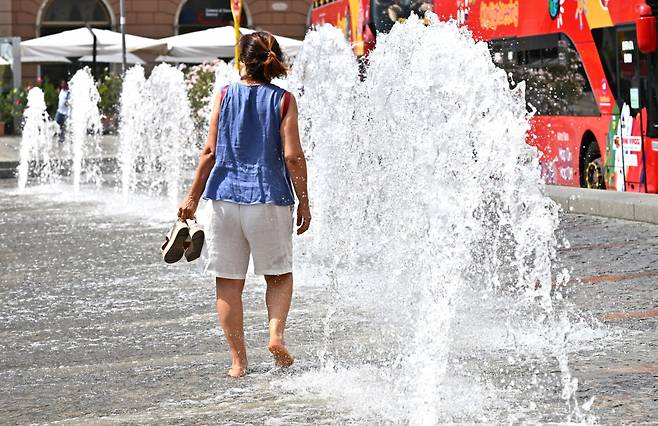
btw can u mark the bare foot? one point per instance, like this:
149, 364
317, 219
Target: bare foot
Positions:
237, 371
282, 357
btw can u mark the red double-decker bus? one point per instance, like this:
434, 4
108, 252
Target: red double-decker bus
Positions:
590, 68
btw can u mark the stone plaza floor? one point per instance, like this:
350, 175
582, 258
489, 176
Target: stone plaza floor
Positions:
96, 329
615, 262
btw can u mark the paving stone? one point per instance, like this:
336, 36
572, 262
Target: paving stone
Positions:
96, 329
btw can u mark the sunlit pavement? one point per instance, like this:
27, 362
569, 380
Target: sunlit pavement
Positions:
95, 327
10, 152
614, 262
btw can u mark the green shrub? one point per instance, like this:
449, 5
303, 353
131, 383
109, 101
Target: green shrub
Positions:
109, 89
12, 104
51, 96
199, 80
5, 107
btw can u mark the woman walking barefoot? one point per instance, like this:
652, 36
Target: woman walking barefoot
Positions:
245, 170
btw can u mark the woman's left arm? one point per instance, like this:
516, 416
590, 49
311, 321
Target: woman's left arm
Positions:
190, 203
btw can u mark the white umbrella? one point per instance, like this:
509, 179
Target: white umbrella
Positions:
219, 42
80, 42
187, 59
41, 58
113, 58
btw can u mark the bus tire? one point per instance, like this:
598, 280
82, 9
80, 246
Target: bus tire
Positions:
592, 169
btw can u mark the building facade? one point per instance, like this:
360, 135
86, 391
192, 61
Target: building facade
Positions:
148, 18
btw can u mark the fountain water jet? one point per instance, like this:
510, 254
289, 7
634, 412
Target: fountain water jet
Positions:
169, 129
429, 206
224, 74
157, 138
131, 128
37, 141
84, 129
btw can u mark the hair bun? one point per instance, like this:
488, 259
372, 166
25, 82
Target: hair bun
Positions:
262, 56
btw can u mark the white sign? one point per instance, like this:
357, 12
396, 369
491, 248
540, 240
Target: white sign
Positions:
279, 6
635, 97
212, 13
632, 143
627, 45
630, 160
628, 58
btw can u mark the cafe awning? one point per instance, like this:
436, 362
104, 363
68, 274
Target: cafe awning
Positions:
205, 45
80, 42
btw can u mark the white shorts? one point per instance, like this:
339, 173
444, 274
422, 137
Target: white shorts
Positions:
233, 231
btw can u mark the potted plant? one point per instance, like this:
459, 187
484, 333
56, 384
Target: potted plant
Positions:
16, 102
5, 112
109, 89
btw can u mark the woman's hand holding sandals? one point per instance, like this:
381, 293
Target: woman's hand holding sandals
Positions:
187, 208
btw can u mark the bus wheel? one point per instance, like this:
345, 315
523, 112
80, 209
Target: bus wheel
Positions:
594, 176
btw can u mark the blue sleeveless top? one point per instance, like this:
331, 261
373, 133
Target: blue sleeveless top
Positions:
249, 166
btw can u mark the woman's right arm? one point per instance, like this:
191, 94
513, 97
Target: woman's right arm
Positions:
190, 203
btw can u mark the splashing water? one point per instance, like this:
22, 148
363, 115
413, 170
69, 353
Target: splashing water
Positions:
131, 128
157, 139
225, 74
84, 129
433, 232
37, 141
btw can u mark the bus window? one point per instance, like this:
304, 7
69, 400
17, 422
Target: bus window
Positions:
606, 43
556, 82
646, 83
496, 50
385, 13
628, 74
649, 82
534, 58
627, 69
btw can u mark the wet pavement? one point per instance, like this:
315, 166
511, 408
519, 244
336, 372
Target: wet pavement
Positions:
96, 329
10, 147
616, 263
10, 154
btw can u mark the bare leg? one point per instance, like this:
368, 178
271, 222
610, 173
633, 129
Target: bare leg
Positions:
229, 311
278, 297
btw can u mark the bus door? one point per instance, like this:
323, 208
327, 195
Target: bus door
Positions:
629, 138
648, 70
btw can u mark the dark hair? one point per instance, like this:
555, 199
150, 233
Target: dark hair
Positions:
261, 55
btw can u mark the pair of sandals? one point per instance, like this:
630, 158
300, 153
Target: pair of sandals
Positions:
185, 238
